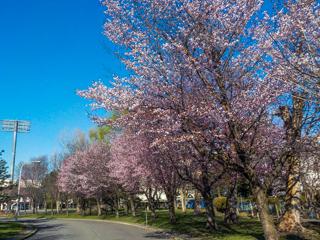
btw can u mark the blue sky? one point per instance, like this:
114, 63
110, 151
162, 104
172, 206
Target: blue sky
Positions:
48, 49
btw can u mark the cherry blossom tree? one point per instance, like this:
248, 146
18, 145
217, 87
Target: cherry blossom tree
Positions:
139, 167
293, 45
86, 173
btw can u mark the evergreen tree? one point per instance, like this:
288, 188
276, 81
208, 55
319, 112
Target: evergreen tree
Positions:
3, 177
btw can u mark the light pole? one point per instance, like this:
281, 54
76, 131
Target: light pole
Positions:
15, 126
19, 186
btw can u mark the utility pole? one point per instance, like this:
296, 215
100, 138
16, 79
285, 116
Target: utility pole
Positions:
15, 126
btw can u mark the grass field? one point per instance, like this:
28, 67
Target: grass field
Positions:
247, 229
10, 229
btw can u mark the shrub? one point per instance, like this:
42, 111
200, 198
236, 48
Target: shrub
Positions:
220, 203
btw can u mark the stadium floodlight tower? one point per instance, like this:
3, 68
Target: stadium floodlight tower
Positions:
15, 126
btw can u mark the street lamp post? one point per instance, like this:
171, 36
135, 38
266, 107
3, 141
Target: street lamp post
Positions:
19, 187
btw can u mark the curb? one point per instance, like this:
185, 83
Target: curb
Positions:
30, 234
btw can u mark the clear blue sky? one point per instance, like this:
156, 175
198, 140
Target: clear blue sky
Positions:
48, 49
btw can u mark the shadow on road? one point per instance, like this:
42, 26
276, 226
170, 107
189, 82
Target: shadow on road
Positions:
51, 230
158, 235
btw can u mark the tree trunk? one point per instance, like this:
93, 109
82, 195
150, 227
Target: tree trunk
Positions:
24, 206
45, 207
153, 213
152, 201
269, 228
132, 206
98, 206
230, 215
58, 204
293, 123
67, 205
171, 205
183, 200
33, 207
126, 207
78, 208
117, 207
152, 207
196, 209
290, 221
51, 203
83, 207
211, 222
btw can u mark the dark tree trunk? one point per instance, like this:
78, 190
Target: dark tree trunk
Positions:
24, 206
51, 206
269, 228
116, 207
230, 215
83, 207
152, 207
171, 205
45, 207
126, 207
33, 207
152, 202
211, 222
67, 206
196, 209
153, 213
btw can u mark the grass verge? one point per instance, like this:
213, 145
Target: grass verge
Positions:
11, 229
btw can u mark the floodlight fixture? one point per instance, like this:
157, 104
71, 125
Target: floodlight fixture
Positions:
15, 125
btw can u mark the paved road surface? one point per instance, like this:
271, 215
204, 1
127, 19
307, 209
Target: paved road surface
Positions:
89, 230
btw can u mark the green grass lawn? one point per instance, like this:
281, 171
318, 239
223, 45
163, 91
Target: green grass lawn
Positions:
10, 229
247, 229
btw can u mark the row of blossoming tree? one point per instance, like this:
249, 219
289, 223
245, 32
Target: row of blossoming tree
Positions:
218, 91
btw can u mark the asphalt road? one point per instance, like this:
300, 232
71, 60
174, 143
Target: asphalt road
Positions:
90, 230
